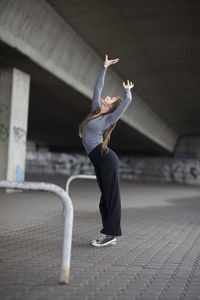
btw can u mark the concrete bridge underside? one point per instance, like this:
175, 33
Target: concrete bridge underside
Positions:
61, 44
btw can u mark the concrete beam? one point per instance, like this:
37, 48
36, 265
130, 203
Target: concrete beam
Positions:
40, 33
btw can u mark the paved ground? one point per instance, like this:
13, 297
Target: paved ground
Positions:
158, 256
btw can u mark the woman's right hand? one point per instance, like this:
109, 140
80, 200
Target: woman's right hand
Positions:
129, 85
108, 62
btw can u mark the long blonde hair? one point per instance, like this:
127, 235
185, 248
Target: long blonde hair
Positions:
93, 115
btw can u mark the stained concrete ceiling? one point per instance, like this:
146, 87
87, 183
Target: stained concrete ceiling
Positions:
54, 123
158, 43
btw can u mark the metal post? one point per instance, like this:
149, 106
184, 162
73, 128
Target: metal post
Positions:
68, 223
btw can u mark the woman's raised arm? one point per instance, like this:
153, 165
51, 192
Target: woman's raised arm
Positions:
116, 114
96, 99
98, 89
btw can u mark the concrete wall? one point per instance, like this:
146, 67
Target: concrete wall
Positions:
140, 169
188, 148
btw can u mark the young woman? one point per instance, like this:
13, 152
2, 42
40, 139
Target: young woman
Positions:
95, 131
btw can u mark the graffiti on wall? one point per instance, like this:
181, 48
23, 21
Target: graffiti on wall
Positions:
19, 135
187, 155
183, 171
19, 174
4, 132
140, 169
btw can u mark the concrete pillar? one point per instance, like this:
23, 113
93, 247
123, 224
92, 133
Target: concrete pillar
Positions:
14, 100
188, 147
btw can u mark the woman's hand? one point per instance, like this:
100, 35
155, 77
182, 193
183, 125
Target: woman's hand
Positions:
108, 62
129, 85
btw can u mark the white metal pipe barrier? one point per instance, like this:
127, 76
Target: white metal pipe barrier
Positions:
75, 177
69, 180
68, 222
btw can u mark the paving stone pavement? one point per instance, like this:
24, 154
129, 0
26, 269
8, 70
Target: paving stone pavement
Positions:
157, 257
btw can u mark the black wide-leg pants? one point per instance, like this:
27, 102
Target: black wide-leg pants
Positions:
106, 167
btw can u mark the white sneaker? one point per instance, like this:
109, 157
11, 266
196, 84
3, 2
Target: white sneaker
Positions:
104, 240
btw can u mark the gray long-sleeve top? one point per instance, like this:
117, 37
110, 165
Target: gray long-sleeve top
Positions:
93, 131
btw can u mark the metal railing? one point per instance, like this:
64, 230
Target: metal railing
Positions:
68, 213
71, 178
68, 221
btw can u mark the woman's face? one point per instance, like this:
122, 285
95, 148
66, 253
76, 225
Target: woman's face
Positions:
108, 101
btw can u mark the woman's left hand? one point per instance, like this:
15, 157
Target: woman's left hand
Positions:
129, 85
109, 62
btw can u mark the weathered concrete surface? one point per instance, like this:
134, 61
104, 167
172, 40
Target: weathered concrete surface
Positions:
40, 33
14, 104
158, 43
184, 168
188, 147
157, 257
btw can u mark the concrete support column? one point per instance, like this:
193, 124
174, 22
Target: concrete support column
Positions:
188, 147
14, 101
